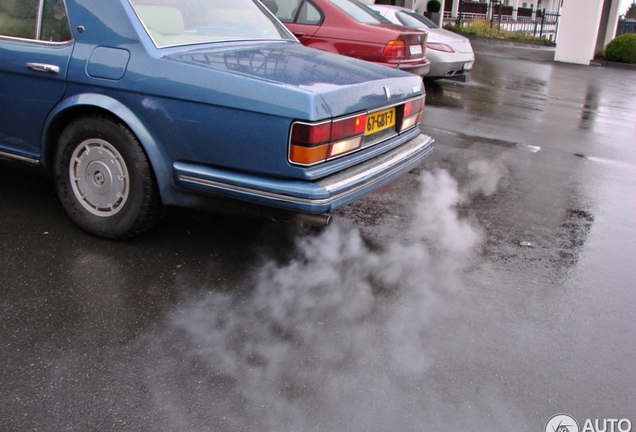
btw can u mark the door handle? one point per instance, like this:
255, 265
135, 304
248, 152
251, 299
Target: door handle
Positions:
300, 34
41, 67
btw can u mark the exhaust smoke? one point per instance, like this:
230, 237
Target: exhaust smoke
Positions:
332, 340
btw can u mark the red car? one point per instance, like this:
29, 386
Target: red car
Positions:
351, 28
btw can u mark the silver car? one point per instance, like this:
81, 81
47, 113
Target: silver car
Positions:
451, 55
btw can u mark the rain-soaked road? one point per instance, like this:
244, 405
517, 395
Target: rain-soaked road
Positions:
489, 291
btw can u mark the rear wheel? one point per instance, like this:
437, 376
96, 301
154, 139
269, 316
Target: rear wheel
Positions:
104, 179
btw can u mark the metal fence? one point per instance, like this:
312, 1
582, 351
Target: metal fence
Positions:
533, 22
626, 26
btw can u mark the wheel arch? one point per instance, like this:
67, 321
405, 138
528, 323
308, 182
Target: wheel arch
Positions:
96, 104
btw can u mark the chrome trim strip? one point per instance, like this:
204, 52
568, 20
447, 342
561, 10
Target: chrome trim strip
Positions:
402, 153
34, 41
20, 158
259, 192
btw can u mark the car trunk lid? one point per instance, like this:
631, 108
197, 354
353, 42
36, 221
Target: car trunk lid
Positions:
297, 75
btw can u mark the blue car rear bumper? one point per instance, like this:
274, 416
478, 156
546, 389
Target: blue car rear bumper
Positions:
315, 197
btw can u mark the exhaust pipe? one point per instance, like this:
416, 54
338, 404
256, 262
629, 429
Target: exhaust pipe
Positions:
320, 220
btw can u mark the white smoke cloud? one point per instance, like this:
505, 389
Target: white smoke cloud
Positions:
484, 177
333, 340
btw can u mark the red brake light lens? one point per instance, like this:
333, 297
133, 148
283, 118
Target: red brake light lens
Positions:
412, 113
413, 106
311, 135
348, 127
395, 48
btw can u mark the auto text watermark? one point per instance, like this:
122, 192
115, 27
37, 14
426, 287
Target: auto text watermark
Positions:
567, 423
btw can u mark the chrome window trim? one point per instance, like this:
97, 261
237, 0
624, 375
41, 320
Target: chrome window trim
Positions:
37, 41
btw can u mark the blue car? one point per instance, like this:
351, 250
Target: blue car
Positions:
133, 105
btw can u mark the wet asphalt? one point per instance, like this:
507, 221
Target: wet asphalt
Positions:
489, 290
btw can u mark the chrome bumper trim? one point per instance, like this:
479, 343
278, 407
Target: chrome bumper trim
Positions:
342, 183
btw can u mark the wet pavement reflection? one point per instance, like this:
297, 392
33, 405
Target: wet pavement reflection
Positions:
490, 289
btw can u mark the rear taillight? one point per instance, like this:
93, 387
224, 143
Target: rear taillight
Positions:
313, 143
395, 48
412, 113
439, 47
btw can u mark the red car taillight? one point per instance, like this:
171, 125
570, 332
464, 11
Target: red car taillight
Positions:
412, 113
313, 143
395, 48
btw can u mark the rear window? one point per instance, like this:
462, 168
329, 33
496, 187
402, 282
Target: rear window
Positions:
359, 12
185, 22
415, 20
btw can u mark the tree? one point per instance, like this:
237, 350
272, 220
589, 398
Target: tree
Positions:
631, 11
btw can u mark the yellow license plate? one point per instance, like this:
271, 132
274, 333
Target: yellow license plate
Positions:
380, 120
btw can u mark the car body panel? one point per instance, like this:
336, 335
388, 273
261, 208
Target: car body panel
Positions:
443, 64
29, 92
219, 111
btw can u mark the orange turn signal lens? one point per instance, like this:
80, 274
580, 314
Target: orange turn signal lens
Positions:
308, 155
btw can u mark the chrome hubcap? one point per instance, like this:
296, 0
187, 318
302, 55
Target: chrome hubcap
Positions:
99, 177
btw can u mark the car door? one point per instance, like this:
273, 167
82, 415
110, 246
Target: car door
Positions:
301, 17
35, 48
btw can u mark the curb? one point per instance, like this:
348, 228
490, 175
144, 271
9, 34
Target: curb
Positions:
605, 63
511, 42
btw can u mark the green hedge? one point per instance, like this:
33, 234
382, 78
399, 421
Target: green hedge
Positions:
622, 49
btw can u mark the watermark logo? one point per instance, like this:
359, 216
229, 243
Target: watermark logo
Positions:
567, 423
562, 423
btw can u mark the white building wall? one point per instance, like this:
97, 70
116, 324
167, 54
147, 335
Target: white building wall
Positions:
578, 31
612, 24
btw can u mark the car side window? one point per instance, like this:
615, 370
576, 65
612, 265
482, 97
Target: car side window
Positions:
18, 18
285, 10
55, 26
288, 11
411, 20
309, 14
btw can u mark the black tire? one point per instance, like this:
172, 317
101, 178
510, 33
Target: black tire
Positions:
104, 179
